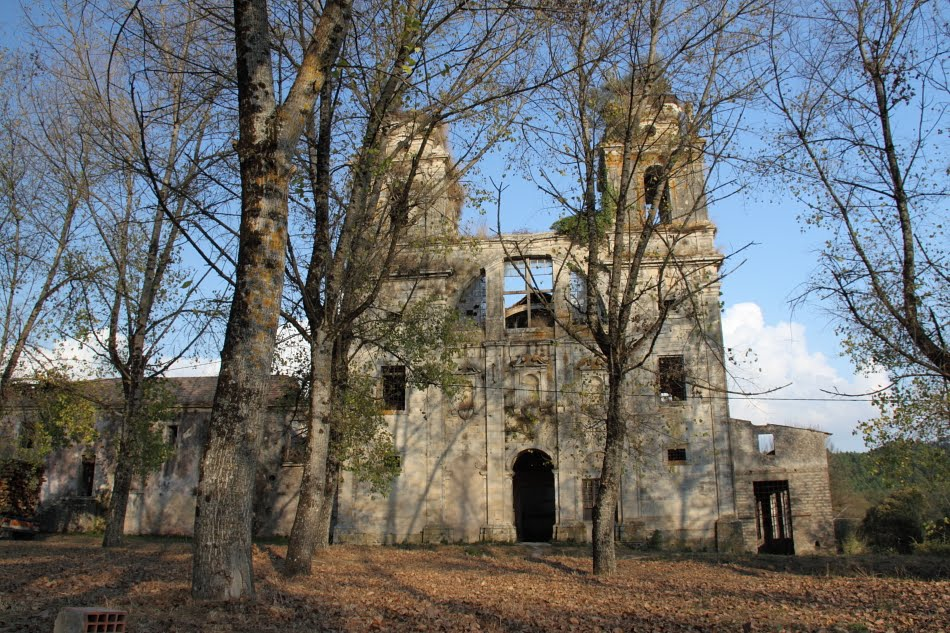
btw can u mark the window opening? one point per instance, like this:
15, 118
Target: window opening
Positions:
472, 304
589, 494
671, 375
577, 298
676, 455
773, 517
653, 182
87, 475
766, 443
528, 292
171, 440
394, 387
295, 445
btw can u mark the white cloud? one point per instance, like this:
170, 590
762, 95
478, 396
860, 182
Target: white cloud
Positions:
82, 360
194, 367
768, 356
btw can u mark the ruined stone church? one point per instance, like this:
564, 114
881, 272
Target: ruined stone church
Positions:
516, 453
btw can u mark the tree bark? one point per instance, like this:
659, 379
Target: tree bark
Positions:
268, 135
305, 535
332, 485
605, 510
222, 544
122, 479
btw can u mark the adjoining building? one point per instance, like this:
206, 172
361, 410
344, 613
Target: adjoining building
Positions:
515, 454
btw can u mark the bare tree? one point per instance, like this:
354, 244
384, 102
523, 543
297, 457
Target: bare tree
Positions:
862, 94
269, 135
42, 185
639, 122
377, 162
150, 125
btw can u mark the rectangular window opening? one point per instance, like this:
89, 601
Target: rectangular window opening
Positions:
394, 387
529, 293
676, 455
767, 443
295, 445
87, 475
589, 494
671, 376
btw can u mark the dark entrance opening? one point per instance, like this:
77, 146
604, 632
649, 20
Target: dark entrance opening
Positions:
534, 496
773, 517
87, 475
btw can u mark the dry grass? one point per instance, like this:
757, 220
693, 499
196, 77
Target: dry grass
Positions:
473, 588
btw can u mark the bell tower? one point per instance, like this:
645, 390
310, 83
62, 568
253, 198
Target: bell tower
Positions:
436, 195
662, 161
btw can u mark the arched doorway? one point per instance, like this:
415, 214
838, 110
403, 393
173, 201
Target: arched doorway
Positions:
533, 494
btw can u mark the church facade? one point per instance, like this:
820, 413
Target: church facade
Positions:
516, 452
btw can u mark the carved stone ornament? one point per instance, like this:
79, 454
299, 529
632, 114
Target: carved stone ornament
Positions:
591, 363
531, 360
470, 367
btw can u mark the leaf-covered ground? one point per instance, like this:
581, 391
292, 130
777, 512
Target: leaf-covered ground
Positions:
475, 588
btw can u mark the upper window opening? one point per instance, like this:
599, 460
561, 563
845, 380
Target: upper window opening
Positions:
766, 443
171, 435
671, 376
295, 445
577, 298
676, 455
394, 387
656, 191
529, 291
472, 303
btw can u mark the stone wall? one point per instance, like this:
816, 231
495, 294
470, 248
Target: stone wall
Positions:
798, 456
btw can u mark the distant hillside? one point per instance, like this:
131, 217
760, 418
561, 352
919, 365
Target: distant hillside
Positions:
860, 480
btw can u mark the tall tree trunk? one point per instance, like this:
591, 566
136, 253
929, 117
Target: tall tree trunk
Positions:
604, 552
305, 535
330, 489
222, 543
133, 385
121, 485
221, 567
341, 375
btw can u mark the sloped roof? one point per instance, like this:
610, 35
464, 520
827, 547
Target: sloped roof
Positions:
191, 392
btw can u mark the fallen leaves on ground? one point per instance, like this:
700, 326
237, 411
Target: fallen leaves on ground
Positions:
466, 588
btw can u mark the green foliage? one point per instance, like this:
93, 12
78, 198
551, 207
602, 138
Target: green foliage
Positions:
364, 442
20, 483
426, 337
61, 417
861, 480
145, 428
914, 409
575, 226
895, 524
852, 545
933, 548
